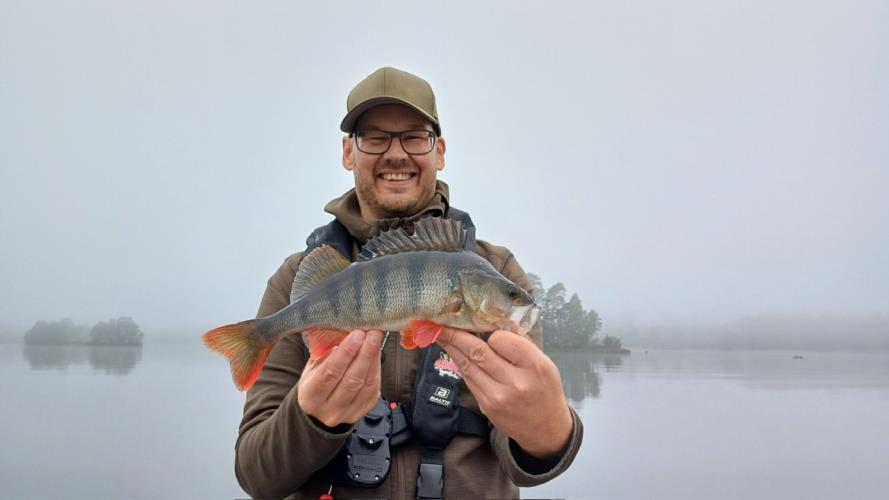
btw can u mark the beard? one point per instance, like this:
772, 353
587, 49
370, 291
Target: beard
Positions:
389, 206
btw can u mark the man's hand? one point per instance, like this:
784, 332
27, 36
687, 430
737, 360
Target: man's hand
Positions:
517, 387
344, 386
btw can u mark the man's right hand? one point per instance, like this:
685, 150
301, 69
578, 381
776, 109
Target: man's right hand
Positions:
345, 385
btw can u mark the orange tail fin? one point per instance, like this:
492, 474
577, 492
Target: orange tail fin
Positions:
243, 347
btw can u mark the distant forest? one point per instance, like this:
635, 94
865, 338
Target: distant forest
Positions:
121, 331
827, 331
565, 323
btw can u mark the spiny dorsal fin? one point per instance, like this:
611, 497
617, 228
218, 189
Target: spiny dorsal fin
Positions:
431, 233
320, 263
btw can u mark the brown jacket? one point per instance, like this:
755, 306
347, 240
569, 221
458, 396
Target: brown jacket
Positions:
279, 448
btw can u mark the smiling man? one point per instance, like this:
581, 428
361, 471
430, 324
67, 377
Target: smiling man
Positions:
485, 416
395, 173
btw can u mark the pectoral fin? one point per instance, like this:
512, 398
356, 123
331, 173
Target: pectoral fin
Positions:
453, 307
425, 332
407, 339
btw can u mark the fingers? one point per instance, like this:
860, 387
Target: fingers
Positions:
479, 382
359, 386
367, 397
325, 376
346, 384
474, 356
354, 379
373, 375
516, 349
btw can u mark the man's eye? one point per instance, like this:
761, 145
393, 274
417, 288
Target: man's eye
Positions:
416, 137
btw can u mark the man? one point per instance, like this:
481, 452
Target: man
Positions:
299, 414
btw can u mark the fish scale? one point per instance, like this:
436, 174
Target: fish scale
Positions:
377, 274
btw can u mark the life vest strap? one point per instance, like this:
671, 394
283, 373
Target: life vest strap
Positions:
473, 423
468, 422
430, 483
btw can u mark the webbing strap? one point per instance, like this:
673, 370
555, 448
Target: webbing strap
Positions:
333, 234
470, 422
430, 483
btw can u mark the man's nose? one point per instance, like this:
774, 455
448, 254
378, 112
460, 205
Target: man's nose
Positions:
395, 151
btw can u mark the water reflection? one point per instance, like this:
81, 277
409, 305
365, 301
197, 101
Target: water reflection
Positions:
112, 360
580, 372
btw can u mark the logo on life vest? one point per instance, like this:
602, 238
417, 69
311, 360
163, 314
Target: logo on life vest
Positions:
446, 367
441, 397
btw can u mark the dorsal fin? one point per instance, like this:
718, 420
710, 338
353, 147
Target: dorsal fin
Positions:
320, 263
431, 233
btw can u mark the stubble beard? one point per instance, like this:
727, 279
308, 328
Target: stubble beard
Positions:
369, 198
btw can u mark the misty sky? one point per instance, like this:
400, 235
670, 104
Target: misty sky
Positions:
669, 161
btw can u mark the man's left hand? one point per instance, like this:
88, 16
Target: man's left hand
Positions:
517, 387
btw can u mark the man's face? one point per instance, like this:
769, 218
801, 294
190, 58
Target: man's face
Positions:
383, 192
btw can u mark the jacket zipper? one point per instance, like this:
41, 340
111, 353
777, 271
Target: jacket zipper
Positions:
396, 356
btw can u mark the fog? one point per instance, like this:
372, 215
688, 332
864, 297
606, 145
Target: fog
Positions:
681, 166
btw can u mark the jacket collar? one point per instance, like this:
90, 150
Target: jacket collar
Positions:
346, 210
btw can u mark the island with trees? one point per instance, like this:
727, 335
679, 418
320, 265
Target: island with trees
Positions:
121, 331
566, 324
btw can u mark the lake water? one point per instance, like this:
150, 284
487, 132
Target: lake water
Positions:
161, 422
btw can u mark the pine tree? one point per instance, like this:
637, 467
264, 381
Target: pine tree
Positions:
564, 323
553, 306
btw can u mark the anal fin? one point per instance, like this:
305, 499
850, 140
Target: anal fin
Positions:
321, 341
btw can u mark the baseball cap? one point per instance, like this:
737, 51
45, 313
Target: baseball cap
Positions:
387, 86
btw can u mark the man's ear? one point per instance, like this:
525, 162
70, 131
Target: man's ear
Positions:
348, 153
441, 147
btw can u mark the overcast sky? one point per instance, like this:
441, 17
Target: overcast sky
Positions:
669, 161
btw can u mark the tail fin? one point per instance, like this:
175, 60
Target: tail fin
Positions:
243, 347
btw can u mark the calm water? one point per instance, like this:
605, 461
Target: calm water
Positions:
161, 422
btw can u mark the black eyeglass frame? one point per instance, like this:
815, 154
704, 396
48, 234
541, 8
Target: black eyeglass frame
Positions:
392, 135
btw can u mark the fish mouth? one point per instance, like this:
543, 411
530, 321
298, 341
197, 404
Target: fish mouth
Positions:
524, 318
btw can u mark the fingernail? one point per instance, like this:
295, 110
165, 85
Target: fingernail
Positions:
357, 337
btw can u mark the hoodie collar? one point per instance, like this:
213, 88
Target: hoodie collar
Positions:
346, 210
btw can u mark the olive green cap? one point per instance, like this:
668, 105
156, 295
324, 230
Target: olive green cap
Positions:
390, 86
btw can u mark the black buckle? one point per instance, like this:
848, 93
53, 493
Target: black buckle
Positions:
431, 481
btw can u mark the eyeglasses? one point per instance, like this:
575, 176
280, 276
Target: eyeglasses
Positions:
377, 142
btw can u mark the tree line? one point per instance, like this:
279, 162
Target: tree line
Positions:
120, 331
565, 323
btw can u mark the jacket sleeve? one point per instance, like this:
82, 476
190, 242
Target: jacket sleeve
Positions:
523, 469
279, 447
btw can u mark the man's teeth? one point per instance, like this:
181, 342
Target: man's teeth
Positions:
396, 177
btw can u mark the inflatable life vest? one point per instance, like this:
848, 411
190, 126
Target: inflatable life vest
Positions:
432, 417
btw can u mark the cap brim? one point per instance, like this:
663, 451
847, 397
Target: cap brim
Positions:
348, 123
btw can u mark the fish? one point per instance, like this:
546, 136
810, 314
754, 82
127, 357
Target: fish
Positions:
416, 284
